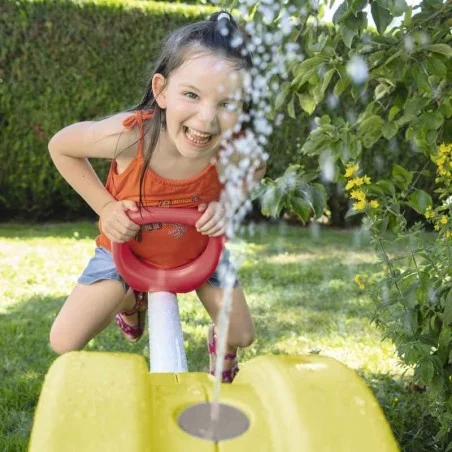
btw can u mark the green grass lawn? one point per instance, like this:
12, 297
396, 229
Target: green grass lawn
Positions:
299, 285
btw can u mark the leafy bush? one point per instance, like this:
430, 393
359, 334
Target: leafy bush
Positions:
399, 82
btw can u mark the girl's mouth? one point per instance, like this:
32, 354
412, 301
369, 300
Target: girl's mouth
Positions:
197, 138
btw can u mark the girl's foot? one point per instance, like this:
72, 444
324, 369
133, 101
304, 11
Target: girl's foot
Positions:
230, 366
132, 322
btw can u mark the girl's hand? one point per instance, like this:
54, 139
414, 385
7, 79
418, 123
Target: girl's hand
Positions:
213, 221
116, 224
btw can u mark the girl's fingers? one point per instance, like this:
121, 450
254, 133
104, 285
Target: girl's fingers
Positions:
127, 225
215, 232
202, 207
217, 228
207, 216
212, 218
209, 225
117, 233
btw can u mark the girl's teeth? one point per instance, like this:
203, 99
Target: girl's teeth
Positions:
197, 137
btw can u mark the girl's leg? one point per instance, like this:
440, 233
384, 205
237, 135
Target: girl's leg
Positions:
88, 310
241, 327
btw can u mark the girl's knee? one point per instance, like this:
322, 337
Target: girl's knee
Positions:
243, 339
60, 343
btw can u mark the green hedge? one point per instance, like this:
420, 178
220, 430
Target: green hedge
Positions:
67, 61
64, 62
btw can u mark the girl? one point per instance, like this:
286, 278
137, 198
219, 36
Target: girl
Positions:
168, 147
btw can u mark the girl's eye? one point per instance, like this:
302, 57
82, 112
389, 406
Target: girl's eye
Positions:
190, 94
229, 106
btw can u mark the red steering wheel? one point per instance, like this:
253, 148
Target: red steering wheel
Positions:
146, 277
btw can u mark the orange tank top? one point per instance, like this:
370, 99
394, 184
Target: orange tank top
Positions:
163, 245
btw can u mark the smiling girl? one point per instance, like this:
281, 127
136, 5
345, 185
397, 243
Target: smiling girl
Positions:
164, 152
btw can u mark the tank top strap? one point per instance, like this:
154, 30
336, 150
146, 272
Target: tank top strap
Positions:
137, 118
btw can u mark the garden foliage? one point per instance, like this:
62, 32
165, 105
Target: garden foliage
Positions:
399, 79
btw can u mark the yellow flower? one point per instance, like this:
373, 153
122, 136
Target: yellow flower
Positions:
358, 181
429, 213
359, 281
350, 184
443, 219
374, 204
360, 205
443, 160
351, 169
448, 234
358, 194
367, 180
437, 227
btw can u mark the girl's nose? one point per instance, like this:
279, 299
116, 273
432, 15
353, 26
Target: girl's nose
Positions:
208, 115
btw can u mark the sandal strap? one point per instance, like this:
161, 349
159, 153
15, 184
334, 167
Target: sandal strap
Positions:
227, 376
141, 303
128, 329
213, 350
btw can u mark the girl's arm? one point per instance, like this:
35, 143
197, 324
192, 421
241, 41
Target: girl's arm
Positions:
71, 147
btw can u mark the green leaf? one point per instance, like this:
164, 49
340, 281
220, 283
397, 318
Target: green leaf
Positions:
341, 11
407, 18
291, 108
447, 316
308, 64
381, 16
370, 130
419, 200
301, 208
414, 105
393, 112
281, 97
398, 7
446, 108
381, 91
445, 337
358, 5
436, 67
432, 120
272, 201
387, 186
303, 77
327, 78
443, 49
420, 78
317, 196
426, 370
402, 177
341, 85
389, 130
409, 320
307, 103
347, 35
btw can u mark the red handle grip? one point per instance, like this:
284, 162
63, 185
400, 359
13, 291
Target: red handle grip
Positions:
148, 278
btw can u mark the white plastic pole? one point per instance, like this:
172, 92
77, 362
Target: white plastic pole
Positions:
166, 342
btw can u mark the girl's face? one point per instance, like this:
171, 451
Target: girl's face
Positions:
203, 99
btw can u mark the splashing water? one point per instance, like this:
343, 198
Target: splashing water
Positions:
270, 66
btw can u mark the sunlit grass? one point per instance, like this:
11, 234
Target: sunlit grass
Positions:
299, 285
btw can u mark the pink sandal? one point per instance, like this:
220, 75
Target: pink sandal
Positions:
134, 333
229, 374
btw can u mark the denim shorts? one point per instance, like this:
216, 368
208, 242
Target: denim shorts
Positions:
102, 266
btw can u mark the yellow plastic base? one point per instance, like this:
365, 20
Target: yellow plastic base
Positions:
100, 402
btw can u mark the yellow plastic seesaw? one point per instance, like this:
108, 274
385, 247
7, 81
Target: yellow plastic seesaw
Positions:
93, 401
107, 402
